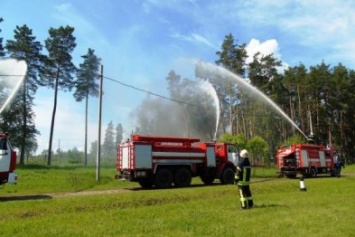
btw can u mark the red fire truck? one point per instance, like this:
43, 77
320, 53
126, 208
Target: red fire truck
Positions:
7, 161
166, 161
306, 159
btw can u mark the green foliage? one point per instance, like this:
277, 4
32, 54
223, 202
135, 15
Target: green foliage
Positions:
238, 139
59, 67
280, 208
296, 138
87, 77
226, 137
258, 148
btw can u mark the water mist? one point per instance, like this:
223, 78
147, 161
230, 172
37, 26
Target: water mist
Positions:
207, 86
12, 74
213, 69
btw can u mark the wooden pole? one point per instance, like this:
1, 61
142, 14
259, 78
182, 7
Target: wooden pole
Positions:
98, 154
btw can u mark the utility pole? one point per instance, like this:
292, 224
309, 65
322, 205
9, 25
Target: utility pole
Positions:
98, 155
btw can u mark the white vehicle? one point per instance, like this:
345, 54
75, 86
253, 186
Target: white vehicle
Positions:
7, 161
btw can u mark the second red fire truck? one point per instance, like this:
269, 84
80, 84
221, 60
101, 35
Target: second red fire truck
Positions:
163, 162
306, 159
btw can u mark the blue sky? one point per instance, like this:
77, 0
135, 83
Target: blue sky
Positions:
141, 41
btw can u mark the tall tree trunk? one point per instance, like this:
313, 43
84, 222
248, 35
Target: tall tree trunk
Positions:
237, 122
300, 109
86, 130
24, 125
53, 117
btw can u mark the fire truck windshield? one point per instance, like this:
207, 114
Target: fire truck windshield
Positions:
3, 143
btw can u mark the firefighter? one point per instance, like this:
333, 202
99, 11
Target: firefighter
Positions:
338, 164
242, 179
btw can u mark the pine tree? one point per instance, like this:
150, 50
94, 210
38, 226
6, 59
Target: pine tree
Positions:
86, 86
25, 47
109, 147
232, 57
59, 68
119, 134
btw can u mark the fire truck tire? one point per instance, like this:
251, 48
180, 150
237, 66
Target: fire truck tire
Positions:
227, 176
207, 176
145, 184
313, 173
182, 178
163, 178
291, 176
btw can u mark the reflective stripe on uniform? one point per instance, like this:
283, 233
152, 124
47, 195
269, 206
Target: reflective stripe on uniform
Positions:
242, 198
246, 176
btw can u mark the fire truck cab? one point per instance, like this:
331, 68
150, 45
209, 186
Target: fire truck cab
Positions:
7, 161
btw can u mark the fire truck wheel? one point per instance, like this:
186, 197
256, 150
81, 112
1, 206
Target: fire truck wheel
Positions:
146, 184
207, 176
313, 172
163, 178
227, 176
182, 178
291, 176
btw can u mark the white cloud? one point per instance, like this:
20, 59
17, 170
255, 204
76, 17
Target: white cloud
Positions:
265, 48
63, 7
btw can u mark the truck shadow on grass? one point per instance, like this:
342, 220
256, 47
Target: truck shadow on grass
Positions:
25, 198
174, 187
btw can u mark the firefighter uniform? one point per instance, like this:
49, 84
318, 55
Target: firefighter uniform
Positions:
242, 179
339, 163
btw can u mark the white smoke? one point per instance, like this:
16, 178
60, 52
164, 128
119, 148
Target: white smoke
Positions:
12, 74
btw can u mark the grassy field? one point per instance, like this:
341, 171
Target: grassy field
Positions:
39, 206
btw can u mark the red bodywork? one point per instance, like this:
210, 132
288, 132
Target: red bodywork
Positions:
145, 158
306, 159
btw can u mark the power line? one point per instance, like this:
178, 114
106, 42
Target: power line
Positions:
151, 93
174, 100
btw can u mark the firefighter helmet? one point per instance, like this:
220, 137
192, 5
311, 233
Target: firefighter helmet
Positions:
243, 153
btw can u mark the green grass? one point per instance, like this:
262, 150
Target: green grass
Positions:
70, 178
281, 209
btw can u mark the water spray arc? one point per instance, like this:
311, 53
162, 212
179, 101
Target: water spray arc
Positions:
208, 87
15, 72
243, 83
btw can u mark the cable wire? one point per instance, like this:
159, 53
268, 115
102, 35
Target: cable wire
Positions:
151, 93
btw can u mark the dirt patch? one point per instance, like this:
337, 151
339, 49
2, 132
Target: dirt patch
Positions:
27, 197
88, 193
